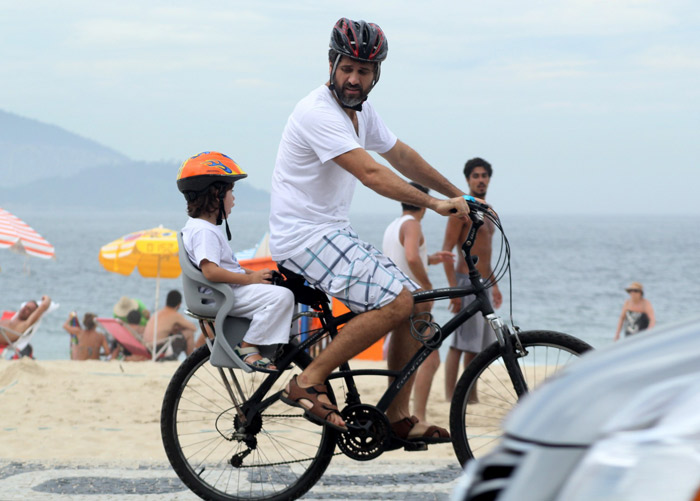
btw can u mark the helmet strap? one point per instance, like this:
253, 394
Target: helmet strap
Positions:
221, 217
357, 107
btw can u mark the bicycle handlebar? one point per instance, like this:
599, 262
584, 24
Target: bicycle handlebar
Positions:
473, 203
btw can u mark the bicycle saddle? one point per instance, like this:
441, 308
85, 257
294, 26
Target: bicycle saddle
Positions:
303, 293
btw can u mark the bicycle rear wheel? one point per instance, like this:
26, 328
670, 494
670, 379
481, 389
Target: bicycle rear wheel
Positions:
485, 394
279, 455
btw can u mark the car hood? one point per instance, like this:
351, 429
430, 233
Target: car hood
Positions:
571, 408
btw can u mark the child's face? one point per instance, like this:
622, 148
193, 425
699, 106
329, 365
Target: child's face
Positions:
229, 201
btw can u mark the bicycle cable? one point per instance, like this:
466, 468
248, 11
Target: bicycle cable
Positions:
502, 265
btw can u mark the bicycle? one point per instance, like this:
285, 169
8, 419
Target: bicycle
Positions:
229, 437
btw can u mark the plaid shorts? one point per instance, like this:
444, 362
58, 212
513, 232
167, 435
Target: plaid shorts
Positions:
350, 270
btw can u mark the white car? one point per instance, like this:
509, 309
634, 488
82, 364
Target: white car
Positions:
621, 423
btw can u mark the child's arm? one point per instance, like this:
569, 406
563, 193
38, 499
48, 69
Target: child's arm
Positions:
217, 274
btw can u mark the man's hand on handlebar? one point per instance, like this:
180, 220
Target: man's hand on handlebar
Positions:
452, 207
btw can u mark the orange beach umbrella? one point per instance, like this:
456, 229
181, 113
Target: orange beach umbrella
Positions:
153, 252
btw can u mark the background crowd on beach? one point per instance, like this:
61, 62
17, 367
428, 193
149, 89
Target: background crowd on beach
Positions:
403, 242
92, 340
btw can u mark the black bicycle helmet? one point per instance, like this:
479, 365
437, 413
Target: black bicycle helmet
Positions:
360, 41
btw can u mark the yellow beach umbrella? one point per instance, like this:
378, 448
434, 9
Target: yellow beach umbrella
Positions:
153, 252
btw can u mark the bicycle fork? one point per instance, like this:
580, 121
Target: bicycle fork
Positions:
511, 350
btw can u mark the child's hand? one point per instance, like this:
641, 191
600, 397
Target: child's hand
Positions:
263, 276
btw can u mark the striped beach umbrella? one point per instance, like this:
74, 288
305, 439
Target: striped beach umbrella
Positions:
21, 238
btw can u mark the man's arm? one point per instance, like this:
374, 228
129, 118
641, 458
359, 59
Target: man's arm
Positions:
453, 230
408, 162
185, 324
381, 179
36, 314
412, 236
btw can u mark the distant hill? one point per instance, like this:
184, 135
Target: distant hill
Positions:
46, 166
29, 150
130, 185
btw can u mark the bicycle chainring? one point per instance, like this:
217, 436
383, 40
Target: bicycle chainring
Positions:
368, 432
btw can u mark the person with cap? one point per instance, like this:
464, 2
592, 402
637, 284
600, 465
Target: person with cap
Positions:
207, 181
322, 154
637, 313
126, 304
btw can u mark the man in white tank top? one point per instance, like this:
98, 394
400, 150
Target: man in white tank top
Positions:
404, 244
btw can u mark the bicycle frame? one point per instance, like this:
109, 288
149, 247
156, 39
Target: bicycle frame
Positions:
480, 304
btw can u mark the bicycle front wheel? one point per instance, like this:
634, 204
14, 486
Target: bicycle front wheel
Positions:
485, 394
277, 455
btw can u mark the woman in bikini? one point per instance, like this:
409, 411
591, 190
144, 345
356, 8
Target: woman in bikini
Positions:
637, 313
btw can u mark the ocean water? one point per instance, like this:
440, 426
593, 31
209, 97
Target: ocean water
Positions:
568, 272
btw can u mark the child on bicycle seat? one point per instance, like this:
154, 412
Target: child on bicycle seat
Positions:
207, 181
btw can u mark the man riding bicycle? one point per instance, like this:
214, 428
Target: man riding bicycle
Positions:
322, 154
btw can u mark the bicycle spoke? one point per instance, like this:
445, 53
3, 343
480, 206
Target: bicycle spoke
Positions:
217, 455
485, 393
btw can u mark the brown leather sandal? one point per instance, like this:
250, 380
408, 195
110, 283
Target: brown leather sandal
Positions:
318, 412
433, 435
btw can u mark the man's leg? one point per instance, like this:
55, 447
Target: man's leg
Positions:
189, 338
403, 347
357, 335
424, 380
468, 357
451, 369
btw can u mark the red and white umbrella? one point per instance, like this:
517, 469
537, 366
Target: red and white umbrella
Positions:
19, 237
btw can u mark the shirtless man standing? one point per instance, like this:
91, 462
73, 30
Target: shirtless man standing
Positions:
475, 334
170, 322
28, 314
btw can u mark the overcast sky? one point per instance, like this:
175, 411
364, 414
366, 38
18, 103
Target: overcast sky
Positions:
578, 104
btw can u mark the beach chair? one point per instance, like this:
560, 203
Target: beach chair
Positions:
135, 344
210, 302
20, 347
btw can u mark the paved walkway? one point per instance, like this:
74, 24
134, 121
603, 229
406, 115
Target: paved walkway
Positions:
430, 479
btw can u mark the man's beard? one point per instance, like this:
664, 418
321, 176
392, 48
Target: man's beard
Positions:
480, 192
354, 100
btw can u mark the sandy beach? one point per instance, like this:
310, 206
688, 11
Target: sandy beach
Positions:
109, 412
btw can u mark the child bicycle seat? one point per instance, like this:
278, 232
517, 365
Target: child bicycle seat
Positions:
212, 301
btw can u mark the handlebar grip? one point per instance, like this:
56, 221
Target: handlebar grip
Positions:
472, 203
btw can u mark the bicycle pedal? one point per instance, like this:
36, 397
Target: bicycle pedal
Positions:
415, 446
407, 445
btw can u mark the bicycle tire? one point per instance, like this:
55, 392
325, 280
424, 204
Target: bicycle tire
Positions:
475, 426
197, 422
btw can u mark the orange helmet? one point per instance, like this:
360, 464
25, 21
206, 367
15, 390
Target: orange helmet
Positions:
199, 172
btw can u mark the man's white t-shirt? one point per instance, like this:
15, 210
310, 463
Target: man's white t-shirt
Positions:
204, 240
311, 194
